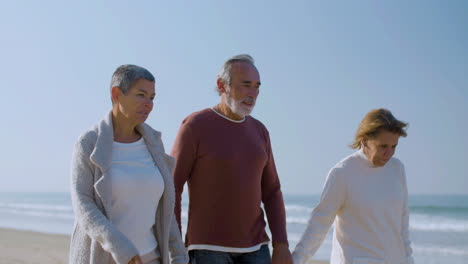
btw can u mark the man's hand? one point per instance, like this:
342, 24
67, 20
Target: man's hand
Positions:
136, 260
281, 254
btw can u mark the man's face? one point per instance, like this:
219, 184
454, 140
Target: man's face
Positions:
242, 93
137, 104
380, 149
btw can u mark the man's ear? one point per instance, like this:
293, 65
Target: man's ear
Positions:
115, 94
221, 85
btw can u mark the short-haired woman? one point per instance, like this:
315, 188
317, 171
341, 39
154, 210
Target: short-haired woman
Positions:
122, 187
367, 194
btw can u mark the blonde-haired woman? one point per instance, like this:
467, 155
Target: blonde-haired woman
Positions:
122, 187
366, 192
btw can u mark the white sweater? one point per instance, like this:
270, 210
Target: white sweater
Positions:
137, 186
371, 205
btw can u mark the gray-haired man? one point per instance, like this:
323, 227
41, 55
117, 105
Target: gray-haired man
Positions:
225, 156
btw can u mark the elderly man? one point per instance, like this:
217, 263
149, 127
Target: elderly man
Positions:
225, 156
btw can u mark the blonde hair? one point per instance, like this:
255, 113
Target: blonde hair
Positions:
376, 121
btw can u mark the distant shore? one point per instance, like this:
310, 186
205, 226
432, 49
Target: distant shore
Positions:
28, 247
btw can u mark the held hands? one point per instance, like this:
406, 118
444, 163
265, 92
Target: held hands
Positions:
281, 254
136, 260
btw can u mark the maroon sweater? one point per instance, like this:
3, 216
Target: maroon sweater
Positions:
230, 171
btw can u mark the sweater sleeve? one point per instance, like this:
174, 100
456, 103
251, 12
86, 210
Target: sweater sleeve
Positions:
184, 151
322, 217
272, 199
87, 214
405, 221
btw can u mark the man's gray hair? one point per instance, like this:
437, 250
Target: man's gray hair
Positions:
126, 75
225, 73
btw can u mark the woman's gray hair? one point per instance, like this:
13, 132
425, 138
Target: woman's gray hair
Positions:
225, 73
126, 75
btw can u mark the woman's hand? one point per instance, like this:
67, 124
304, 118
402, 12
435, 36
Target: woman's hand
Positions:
136, 260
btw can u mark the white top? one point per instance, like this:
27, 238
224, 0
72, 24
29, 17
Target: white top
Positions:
227, 249
371, 205
137, 186
225, 117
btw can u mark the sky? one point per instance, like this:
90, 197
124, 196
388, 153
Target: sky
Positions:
323, 66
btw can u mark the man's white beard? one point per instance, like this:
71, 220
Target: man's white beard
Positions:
236, 105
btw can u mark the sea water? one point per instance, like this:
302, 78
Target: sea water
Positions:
438, 223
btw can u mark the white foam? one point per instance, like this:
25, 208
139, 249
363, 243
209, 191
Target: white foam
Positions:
297, 220
26, 206
298, 208
437, 223
40, 214
297, 214
441, 250
38, 210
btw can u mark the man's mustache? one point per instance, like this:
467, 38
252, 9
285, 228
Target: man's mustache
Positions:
249, 100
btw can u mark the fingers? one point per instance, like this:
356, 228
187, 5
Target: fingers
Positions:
136, 260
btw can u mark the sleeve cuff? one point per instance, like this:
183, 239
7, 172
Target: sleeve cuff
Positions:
298, 259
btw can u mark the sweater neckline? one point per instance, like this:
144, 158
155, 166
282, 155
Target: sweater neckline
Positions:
368, 163
227, 118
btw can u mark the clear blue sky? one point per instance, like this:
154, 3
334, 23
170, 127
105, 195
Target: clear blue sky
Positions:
323, 65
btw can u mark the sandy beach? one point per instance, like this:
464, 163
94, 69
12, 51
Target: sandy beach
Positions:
18, 247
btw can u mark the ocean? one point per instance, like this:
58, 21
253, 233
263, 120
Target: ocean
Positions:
438, 223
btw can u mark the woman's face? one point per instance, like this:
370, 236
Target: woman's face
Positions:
379, 150
137, 104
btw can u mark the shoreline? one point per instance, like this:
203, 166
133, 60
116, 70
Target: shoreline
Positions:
22, 247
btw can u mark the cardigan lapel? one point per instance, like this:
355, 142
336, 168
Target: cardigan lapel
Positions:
105, 137
101, 157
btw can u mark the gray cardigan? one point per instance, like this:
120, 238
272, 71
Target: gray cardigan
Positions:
95, 240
